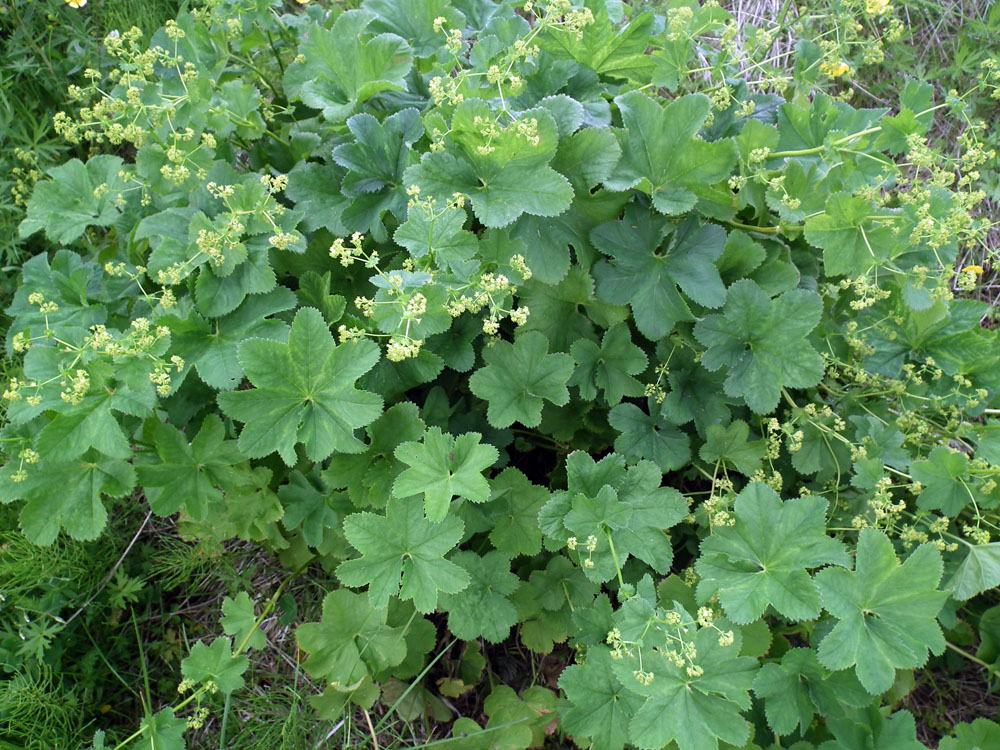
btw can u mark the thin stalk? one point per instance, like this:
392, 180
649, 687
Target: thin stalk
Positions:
974, 659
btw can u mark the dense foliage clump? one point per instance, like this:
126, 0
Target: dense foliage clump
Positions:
529, 322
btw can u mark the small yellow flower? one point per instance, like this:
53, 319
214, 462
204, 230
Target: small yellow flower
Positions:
76, 3
302, 2
877, 7
834, 70
977, 270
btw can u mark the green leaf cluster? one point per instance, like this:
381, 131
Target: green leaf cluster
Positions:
508, 327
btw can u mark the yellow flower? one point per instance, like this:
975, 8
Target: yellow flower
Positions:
976, 270
76, 3
834, 70
877, 7
302, 2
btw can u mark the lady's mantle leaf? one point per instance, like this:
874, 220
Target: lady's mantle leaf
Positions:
343, 69
661, 154
239, 621
212, 347
403, 544
215, 663
609, 367
979, 572
376, 160
694, 712
190, 473
887, 611
308, 507
368, 476
763, 343
869, 728
763, 558
482, 608
513, 511
633, 517
519, 377
604, 47
68, 495
442, 467
429, 230
979, 734
380, 151
599, 707
415, 21
352, 643
649, 436
642, 275
65, 280
849, 246
731, 445
797, 688
944, 475
515, 721
506, 174
70, 202
164, 731
304, 392
89, 424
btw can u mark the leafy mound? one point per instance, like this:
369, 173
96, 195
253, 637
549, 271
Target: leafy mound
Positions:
500, 311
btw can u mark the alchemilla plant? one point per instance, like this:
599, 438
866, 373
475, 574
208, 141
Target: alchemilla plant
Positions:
570, 325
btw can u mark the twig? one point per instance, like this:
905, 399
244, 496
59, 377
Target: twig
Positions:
371, 729
974, 659
114, 570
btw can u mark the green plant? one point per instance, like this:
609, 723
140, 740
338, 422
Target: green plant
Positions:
35, 709
447, 301
43, 44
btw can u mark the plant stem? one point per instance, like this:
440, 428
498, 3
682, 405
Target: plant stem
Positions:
974, 659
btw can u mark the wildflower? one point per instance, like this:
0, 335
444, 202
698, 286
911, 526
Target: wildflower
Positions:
172, 30
705, 617
76, 3
75, 387
282, 240
416, 307
834, 70
346, 334
877, 7
198, 720
677, 21
519, 315
518, 263
399, 349
643, 678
